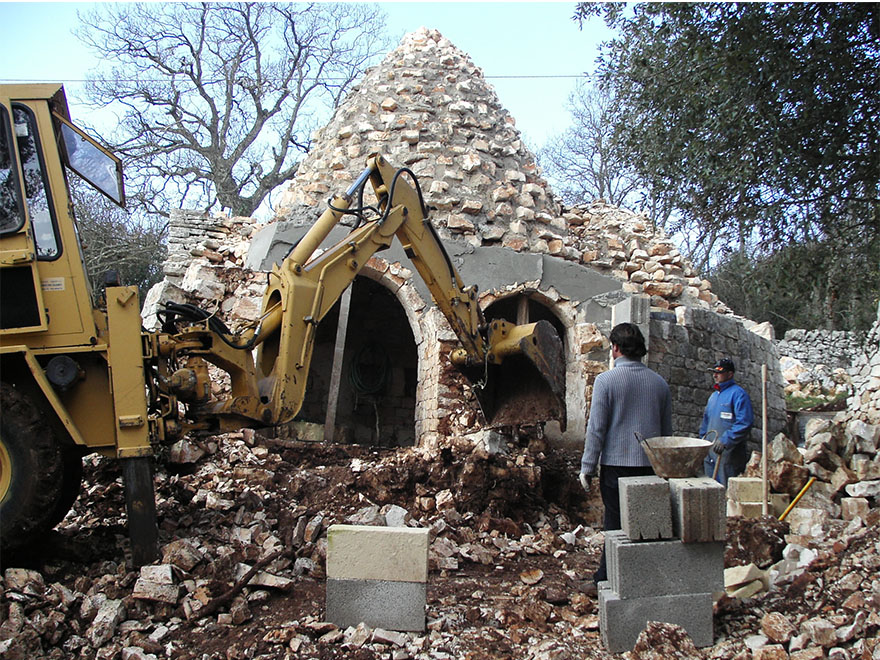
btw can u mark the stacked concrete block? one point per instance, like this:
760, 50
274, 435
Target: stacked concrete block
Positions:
698, 510
667, 578
745, 497
377, 576
647, 514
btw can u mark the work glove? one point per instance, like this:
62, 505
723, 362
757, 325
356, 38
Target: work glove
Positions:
585, 480
718, 447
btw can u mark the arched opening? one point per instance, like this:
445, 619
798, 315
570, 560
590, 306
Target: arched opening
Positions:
363, 376
521, 388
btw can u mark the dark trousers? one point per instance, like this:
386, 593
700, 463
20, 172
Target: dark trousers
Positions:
608, 488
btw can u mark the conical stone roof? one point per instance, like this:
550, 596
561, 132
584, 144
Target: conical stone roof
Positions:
428, 107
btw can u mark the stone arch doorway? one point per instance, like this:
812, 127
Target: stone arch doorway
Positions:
363, 388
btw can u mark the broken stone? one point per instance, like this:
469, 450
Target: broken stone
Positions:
663, 641
181, 553
777, 627
787, 477
821, 631
22, 579
864, 489
103, 627
184, 451
263, 579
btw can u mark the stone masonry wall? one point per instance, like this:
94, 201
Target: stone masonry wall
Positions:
833, 348
684, 344
865, 402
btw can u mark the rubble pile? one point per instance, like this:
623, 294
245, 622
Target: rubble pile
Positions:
205, 267
625, 245
243, 523
843, 459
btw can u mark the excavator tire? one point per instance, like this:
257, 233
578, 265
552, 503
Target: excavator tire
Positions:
71, 484
31, 470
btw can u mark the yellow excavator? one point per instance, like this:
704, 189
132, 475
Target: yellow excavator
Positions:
76, 378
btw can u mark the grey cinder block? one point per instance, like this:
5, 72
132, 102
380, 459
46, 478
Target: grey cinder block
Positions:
698, 509
645, 508
377, 603
659, 568
621, 620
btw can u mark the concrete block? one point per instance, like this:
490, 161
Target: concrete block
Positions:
659, 568
621, 620
645, 509
777, 504
376, 603
698, 509
745, 489
359, 552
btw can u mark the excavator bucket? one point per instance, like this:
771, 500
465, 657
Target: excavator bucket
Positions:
524, 380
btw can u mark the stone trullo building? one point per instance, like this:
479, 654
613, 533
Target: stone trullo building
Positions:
428, 107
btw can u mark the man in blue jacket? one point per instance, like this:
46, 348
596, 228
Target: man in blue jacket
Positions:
729, 414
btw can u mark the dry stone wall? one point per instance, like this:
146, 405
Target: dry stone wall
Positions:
833, 348
684, 344
205, 267
865, 402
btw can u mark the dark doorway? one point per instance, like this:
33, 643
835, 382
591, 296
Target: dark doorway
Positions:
376, 396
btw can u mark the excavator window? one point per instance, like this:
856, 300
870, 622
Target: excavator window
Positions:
39, 202
97, 166
11, 212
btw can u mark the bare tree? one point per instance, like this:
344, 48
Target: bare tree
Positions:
583, 161
218, 101
113, 239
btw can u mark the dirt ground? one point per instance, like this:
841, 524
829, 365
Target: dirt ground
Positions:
526, 540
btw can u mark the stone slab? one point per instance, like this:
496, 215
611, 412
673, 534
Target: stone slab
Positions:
645, 508
660, 568
621, 620
745, 489
376, 603
698, 509
776, 506
366, 552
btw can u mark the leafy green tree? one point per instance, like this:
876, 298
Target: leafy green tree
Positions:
218, 100
757, 122
802, 285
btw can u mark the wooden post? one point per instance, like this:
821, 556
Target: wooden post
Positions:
336, 369
766, 493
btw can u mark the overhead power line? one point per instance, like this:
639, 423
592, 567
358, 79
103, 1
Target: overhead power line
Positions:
488, 77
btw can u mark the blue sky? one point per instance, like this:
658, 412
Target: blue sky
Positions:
502, 38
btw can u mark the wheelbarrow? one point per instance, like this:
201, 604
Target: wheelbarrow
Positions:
675, 457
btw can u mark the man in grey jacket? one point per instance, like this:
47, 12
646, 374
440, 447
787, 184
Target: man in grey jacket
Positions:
630, 398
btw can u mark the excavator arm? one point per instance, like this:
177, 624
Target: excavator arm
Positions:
309, 281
